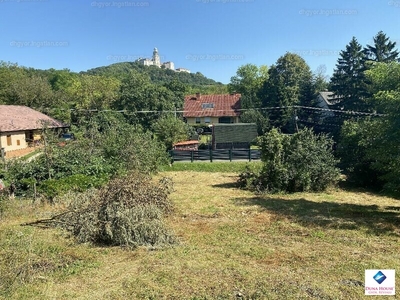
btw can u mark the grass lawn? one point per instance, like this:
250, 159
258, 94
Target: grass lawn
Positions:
233, 245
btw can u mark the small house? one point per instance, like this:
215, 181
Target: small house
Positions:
212, 109
21, 127
327, 100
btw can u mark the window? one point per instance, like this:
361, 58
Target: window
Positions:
9, 141
198, 120
207, 105
225, 120
207, 120
18, 143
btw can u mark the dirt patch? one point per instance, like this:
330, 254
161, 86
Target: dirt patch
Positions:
20, 152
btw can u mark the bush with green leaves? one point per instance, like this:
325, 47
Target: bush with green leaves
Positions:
299, 162
106, 146
353, 148
170, 130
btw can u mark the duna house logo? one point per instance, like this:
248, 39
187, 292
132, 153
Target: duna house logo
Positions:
379, 277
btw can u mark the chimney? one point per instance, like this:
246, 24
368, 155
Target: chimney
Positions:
198, 96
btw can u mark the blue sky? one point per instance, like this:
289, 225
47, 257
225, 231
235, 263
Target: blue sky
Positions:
213, 37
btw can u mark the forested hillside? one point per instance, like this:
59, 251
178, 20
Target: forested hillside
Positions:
157, 75
121, 86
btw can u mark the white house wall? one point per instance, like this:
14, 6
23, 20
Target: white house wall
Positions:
17, 140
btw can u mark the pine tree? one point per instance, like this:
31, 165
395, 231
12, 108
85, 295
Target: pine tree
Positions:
348, 81
382, 50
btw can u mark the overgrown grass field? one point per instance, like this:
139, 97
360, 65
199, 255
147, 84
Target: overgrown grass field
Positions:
233, 245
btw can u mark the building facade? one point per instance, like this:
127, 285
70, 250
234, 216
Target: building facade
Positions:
212, 109
21, 127
156, 61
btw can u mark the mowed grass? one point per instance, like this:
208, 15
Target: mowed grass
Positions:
233, 245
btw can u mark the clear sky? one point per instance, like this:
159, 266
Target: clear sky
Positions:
213, 37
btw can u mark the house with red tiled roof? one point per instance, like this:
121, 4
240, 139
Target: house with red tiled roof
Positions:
212, 109
21, 126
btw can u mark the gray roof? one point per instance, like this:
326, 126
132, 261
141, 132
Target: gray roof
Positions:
330, 98
17, 118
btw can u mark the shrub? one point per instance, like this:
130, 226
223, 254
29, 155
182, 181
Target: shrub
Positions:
353, 148
54, 187
293, 163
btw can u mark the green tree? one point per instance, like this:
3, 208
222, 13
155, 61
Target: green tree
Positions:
383, 50
354, 144
384, 140
170, 130
146, 100
256, 116
95, 92
288, 84
9, 74
369, 148
29, 90
248, 80
348, 81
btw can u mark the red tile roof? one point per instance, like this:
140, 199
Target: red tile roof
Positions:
226, 105
185, 143
16, 118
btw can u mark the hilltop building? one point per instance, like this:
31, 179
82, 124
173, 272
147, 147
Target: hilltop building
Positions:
183, 70
156, 61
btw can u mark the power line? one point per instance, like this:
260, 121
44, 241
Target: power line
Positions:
349, 112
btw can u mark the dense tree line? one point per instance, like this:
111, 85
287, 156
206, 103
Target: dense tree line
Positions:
120, 86
364, 79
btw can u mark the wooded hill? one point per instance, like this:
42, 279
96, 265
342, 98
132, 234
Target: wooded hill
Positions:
156, 74
119, 86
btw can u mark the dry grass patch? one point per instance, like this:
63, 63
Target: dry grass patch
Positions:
235, 245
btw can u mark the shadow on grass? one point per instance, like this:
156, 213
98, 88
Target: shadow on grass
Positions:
227, 185
375, 219
355, 188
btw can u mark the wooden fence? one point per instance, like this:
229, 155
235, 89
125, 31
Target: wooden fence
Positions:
211, 155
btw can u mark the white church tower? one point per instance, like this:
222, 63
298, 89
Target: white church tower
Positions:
156, 58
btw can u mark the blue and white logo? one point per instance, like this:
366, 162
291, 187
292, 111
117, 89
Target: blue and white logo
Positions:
379, 277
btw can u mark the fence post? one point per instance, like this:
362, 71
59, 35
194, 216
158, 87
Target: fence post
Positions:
249, 154
211, 156
171, 153
191, 156
230, 155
